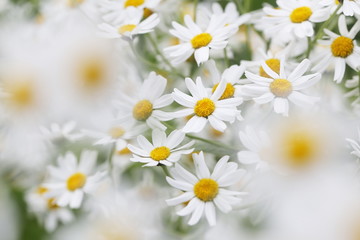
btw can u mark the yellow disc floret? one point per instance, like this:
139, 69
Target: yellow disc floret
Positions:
342, 47
92, 72
51, 204
204, 107
299, 148
76, 181
206, 189
228, 92
116, 132
160, 153
126, 28
142, 110
300, 14
133, 3
281, 87
273, 64
201, 40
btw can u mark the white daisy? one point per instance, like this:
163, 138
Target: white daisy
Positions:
256, 143
117, 132
342, 49
112, 10
348, 7
46, 210
58, 132
130, 25
294, 18
145, 105
206, 106
70, 181
205, 191
354, 92
198, 41
355, 146
163, 150
280, 88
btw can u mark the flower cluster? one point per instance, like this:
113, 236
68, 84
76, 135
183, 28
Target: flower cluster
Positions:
167, 119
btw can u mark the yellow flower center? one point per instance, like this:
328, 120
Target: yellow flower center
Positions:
147, 12
160, 153
142, 110
76, 181
201, 40
300, 14
206, 189
299, 148
74, 3
228, 92
342, 47
281, 87
21, 93
126, 28
204, 107
51, 204
133, 3
124, 151
116, 132
273, 64
92, 72
41, 190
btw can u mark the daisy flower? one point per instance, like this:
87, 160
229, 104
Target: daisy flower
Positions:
294, 18
163, 150
58, 132
348, 7
196, 41
354, 92
46, 210
70, 181
114, 10
144, 106
205, 106
204, 191
117, 132
256, 143
342, 50
280, 88
129, 26
355, 146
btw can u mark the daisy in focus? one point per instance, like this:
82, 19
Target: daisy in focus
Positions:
144, 106
46, 210
71, 180
294, 18
197, 41
129, 26
280, 88
205, 106
163, 150
205, 190
341, 50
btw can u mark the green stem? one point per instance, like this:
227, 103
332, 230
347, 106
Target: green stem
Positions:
239, 6
320, 32
166, 61
195, 9
166, 171
141, 58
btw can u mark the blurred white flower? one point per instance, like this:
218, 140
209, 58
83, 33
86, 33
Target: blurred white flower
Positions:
130, 25
58, 132
205, 191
